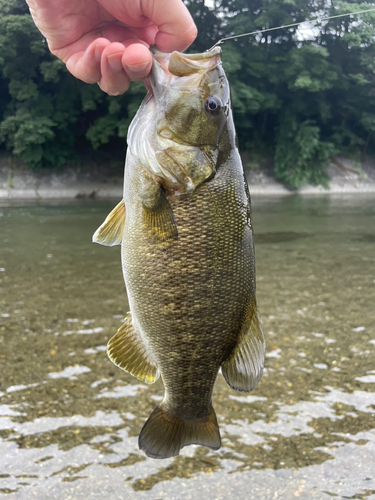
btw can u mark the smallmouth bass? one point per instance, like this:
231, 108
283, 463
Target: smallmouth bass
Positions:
185, 229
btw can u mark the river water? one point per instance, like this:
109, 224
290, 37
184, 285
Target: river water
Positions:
69, 419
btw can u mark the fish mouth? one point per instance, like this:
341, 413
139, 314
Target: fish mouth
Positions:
179, 69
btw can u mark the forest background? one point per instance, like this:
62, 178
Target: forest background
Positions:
300, 95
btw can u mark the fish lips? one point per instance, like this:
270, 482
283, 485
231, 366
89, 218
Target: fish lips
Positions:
180, 70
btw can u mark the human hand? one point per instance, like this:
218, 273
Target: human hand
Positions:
106, 41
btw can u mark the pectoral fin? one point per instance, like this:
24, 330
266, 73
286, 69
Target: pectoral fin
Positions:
157, 214
110, 232
244, 367
127, 351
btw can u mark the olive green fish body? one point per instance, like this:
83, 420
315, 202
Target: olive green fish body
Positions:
187, 253
190, 296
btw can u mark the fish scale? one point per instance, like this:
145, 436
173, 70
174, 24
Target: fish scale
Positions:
187, 254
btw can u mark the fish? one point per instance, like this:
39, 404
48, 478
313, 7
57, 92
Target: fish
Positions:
187, 252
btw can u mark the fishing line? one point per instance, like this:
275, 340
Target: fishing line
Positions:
222, 40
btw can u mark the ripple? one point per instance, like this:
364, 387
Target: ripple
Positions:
71, 372
279, 237
46, 424
89, 331
367, 379
122, 391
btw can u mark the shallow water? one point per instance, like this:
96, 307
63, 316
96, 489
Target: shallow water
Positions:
69, 419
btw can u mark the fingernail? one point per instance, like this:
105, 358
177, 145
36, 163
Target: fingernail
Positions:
114, 61
137, 68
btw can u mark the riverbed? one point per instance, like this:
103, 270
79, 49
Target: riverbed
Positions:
69, 418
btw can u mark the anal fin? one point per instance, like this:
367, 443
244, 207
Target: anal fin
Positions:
244, 367
110, 232
127, 351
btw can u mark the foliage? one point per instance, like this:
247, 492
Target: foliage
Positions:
46, 115
299, 96
301, 155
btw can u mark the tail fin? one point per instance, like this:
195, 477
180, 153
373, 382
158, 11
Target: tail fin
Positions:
164, 434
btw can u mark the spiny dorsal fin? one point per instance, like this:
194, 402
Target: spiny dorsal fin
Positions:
160, 220
110, 232
244, 367
127, 351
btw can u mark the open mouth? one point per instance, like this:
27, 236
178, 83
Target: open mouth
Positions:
167, 68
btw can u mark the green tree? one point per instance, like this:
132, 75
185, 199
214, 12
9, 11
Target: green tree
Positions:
46, 115
296, 99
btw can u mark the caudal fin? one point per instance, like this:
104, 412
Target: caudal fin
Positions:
164, 434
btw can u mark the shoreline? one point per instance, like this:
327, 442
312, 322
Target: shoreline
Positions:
101, 183
101, 193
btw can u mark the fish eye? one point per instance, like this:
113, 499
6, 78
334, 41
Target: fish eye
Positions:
213, 105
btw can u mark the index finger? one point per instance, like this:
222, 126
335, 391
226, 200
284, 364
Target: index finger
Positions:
176, 26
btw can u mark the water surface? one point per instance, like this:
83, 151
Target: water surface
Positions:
69, 419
